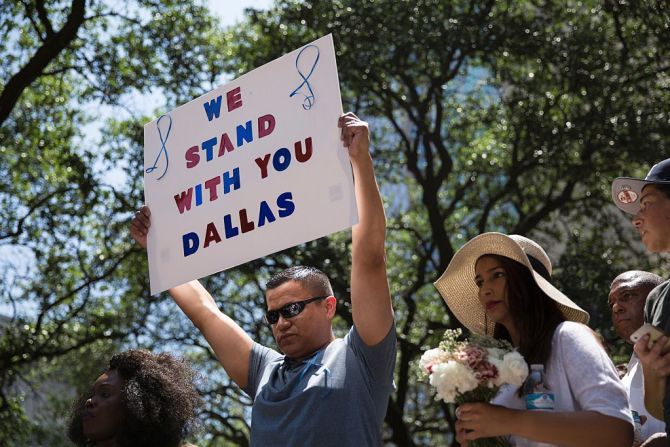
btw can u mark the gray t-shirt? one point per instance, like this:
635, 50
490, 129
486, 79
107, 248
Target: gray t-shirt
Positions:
657, 312
657, 307
338, 397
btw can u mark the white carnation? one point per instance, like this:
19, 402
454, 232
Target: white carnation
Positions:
431, 357
495, 353
498, 363
512, 369
452, 377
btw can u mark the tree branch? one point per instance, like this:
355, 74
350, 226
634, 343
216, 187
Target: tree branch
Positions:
48, 52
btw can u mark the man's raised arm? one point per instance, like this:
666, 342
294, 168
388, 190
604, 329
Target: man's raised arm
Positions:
370, 296
230, 343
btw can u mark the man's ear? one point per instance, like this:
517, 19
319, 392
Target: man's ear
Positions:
331, 306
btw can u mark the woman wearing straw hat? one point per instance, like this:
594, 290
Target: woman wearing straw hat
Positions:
498, 285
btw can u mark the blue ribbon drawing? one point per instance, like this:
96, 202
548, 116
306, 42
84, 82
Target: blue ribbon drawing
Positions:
163, 148
309, 99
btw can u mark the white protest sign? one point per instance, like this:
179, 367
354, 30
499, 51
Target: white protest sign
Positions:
251, 168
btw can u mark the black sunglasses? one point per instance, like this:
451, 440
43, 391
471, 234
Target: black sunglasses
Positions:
290, 310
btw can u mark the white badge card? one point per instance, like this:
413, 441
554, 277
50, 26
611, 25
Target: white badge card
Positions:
251, 168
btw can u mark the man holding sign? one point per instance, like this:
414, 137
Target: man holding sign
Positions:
323, 391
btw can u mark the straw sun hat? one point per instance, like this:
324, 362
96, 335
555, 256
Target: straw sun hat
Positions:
457, 283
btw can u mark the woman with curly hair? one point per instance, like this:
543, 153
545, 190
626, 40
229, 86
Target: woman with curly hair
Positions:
142, 399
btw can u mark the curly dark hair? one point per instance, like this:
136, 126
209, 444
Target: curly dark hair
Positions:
159, 398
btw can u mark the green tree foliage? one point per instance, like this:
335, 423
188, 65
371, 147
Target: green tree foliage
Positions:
65, 255
488, 115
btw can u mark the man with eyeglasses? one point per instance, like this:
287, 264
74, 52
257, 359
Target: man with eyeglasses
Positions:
323, 390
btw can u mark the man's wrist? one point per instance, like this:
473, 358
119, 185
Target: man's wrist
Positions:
361, 160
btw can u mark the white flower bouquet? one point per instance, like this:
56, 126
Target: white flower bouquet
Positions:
473, 370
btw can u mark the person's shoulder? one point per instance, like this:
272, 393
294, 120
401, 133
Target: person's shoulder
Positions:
657, 307
265, 354
579, 343
571, 327
353, 337
571, 332
660, 291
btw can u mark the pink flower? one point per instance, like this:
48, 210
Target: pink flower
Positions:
486, 371
476, 358
472, 356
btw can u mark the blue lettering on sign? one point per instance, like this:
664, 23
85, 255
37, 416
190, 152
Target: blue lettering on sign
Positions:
244, 133
231, 180
281, 159
213, 108
191, 243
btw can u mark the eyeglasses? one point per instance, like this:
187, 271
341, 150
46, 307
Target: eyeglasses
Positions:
290, 310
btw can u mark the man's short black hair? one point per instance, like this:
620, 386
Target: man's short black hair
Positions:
310, 278
640, 278
663, 188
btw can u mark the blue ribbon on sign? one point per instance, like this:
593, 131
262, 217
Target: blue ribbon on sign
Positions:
309, 99
163, 148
